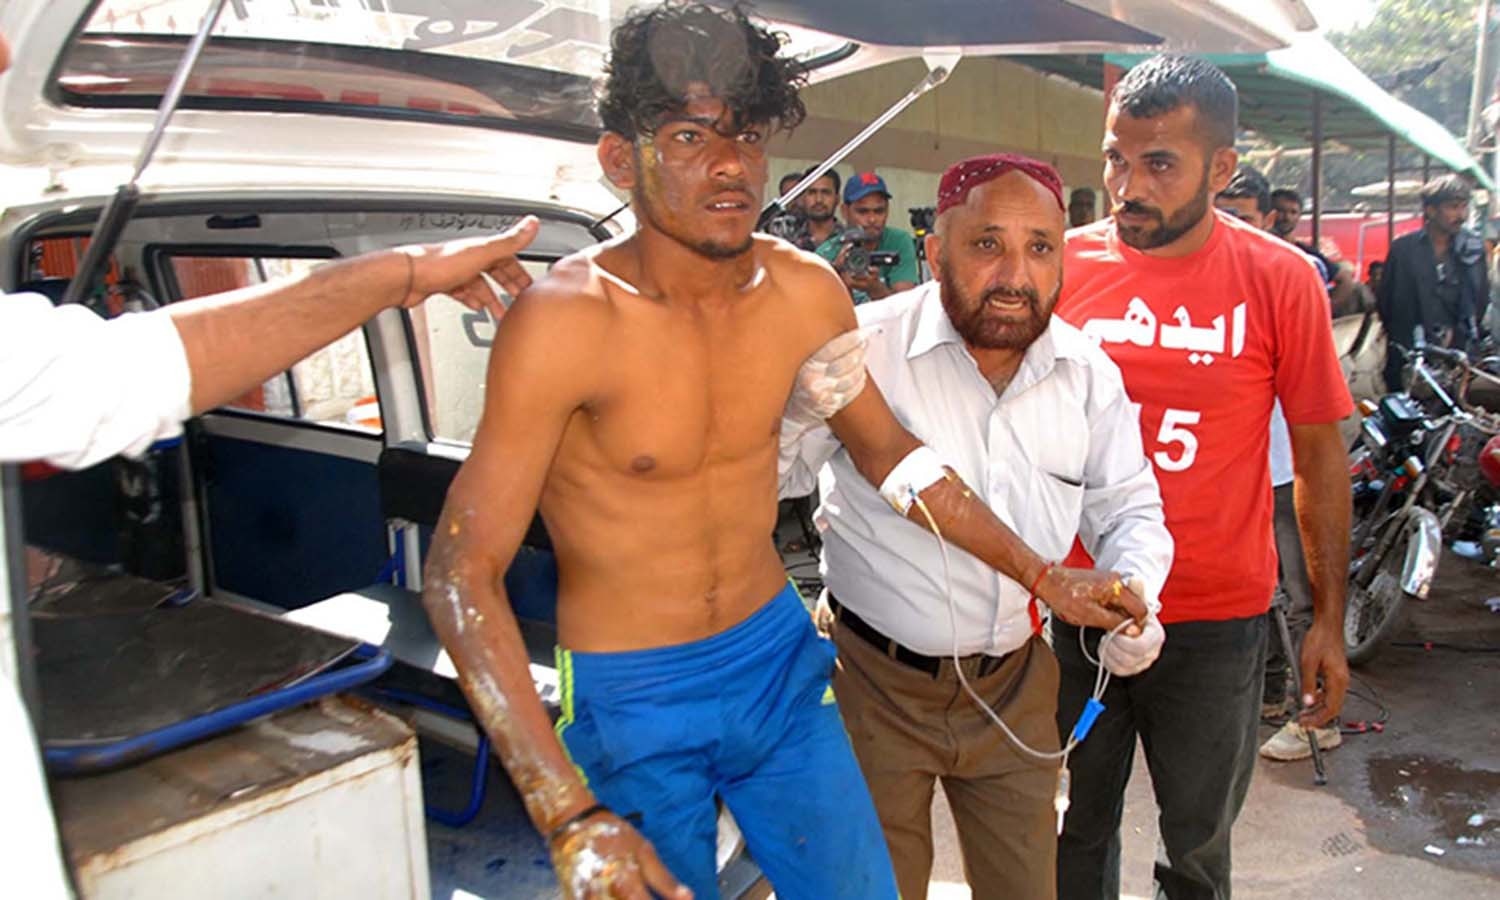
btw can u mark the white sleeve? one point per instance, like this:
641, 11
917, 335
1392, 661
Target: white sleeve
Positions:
33, 859
1123, 527
76, 389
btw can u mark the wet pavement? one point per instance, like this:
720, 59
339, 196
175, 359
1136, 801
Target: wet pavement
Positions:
1410, 811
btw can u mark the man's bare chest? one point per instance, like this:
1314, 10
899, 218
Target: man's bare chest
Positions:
671, 403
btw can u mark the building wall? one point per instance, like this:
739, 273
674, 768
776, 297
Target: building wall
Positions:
988, 105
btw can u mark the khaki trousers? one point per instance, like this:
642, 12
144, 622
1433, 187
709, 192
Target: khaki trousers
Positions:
910, 728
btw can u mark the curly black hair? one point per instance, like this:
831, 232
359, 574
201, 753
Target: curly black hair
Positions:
657, 52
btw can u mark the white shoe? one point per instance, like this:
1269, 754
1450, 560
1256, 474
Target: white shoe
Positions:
1290, 743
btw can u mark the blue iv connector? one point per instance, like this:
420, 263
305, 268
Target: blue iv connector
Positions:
1086, 719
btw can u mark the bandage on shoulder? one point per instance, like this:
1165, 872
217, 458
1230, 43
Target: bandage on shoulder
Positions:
915, 473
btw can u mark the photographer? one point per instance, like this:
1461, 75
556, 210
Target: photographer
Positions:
809, 219
874, 261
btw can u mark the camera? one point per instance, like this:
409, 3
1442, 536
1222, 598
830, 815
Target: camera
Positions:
922, 219
789, 226
858, 259
856, 256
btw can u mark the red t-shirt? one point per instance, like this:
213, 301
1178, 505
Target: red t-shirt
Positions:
1206, 343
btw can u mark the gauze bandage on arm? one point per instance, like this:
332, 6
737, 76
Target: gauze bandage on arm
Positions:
916, 472
828, 381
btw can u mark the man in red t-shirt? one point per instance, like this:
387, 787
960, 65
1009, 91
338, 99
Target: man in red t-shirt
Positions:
1210, 322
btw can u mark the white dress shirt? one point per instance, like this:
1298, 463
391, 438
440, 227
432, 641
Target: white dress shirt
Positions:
1281, 448
1058, 454
76, 389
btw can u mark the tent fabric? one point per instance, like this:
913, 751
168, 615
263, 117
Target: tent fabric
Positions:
1275, 91
1275, 103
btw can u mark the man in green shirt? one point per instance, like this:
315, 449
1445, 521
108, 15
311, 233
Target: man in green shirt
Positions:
867, 205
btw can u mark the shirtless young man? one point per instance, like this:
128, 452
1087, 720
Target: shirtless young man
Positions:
635, 395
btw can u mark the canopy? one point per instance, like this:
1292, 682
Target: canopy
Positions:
1276, 90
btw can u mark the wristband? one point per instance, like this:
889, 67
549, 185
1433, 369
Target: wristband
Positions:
578, 817
1038, 582
1032, 611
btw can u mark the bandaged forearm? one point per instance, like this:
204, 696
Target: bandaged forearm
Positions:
958, 515
916, 472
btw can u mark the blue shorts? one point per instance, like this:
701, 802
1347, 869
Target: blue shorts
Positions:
747, 716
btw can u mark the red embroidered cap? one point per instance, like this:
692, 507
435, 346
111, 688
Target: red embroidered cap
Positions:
965, 176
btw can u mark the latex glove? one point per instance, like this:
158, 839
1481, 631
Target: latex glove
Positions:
827, 382
1135, 648
1137, 585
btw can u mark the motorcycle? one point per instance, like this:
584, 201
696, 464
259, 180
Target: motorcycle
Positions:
1410, 479
1470, 487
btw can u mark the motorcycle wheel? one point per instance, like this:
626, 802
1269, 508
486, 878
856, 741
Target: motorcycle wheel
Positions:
1372, 614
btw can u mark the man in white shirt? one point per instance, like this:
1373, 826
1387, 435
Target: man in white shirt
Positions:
1024, 407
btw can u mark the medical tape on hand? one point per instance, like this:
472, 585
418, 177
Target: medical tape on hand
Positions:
915, 473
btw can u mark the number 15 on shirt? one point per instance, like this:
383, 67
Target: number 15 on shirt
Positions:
1177, 445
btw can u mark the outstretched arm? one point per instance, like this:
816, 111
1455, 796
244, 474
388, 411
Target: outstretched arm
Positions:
60, 399
536, 381
236, 340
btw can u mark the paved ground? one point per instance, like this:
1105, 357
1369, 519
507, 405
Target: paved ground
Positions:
1389, 796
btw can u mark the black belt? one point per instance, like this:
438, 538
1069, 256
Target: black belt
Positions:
867, 632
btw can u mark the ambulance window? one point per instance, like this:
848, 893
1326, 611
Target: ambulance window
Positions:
334, 386
51, 263
452, 347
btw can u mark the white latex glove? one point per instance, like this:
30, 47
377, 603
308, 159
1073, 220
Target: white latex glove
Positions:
1125, 654
826, 383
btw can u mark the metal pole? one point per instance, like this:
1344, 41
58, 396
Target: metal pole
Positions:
1390, 188
1112, 76
1278, 607
1317, 167
13, 601
935, 76
1479, 91
117, 210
